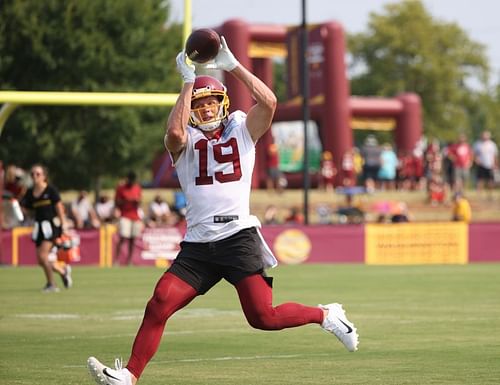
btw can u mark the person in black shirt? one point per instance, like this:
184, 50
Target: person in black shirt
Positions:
44, 200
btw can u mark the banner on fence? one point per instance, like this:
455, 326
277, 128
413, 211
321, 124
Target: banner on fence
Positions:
416, 243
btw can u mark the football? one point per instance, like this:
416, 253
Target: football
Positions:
202, 45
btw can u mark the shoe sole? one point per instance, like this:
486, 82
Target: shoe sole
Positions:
95, 372
51, 290
354, 333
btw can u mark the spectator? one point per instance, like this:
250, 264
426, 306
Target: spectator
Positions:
433, 160
294, 216
13, 183
271, 215
388, 166
436, 190
382, 209
486, 160
402, 170
461, 208
462, 156
327, 172
448, 171
417, 174
50, 222
349, 169
13, 191
274, 174
371, 155
105, 209
159, 212
83, 213
324, 212
127, 200
400, 213
358, 164
410, 170
351, 211
180, 205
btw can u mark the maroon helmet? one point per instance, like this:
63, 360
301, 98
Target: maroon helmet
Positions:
205, 86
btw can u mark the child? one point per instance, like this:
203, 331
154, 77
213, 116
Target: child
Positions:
461, 208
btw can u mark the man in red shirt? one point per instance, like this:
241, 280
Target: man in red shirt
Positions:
274, 174
461, 155
127, 201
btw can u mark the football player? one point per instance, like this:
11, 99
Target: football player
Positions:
214, 154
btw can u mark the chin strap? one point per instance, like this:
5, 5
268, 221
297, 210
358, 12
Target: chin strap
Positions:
209, 126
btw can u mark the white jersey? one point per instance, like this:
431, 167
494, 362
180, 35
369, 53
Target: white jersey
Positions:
216, 177
486, 152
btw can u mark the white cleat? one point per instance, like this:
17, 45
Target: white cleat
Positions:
337, 323
103, 375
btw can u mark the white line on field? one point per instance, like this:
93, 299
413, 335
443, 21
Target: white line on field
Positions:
131, 315
241, 358
166, 333
228, 358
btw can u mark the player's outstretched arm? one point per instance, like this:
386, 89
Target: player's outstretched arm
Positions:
176, 134
261, 114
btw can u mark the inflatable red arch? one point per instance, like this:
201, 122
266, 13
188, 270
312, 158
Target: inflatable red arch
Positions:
331, 104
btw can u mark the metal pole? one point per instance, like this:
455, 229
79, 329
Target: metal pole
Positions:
305, 109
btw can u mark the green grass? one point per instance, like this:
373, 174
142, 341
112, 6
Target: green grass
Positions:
417, 324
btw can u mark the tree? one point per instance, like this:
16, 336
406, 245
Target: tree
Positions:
86, 45
406, 49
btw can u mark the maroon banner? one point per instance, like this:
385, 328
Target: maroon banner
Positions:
290, 244
156, 246
316, 244
314, 59
484, 242
6, 252
90, 244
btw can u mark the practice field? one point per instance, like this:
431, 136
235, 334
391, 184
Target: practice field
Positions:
417, 324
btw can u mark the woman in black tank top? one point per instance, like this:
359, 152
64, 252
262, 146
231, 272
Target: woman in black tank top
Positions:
45, 202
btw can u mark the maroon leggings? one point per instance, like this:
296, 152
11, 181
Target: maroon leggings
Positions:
172, 293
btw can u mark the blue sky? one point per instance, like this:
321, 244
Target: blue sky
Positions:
479, 18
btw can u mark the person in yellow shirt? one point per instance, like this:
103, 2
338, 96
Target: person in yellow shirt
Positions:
461, 208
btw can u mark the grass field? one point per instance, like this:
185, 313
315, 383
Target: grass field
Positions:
417, 324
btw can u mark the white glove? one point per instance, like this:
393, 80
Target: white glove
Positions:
186, 70
225, 59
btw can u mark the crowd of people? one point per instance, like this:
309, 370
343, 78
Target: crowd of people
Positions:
442, 169
32, 200
82, 213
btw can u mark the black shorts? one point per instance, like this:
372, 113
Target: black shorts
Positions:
202, 265
484, 173
370, 172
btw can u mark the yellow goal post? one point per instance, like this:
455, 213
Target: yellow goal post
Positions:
10, 100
